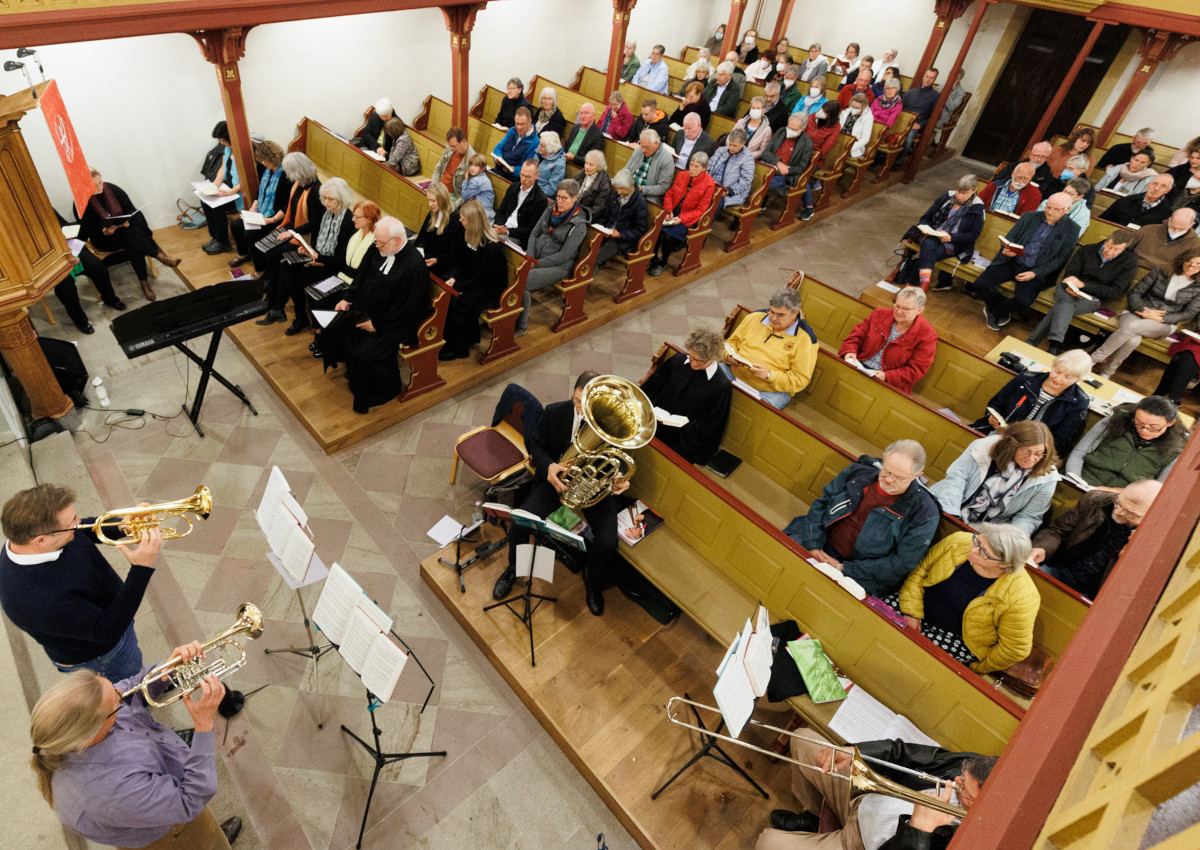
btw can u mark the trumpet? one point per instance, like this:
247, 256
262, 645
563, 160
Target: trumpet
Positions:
862, 779
183, 677
134, 521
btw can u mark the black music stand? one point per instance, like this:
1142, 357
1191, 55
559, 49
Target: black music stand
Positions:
483, 550
543, 533
707, 748
207, 371
376, 752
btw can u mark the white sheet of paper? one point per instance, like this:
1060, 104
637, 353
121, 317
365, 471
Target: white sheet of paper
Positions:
367, 622
253, 218
888, 287
219, 200
758, 660
328, 283
375, 156
324, 317
904, 729
861, 717
339, 598
447, 529
1078, 482
277, 488
538, 558
383, 667
746, 388
76, 245
70, 231
1125, 396
734, 693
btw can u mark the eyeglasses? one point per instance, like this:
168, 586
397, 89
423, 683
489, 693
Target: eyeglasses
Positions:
1119, 505
975, 542
120, 704
885, 475
699, 361
1149, 427
1037, 452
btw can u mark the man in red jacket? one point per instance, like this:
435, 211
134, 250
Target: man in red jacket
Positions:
895, 346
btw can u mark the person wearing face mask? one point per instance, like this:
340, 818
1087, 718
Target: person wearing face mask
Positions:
814, 100
1075, 169
1158, 304
1096, 274
1161, 244
789, 152
1150, 207
760, 69
732, 166
857, 122
790, 93
1130, 178
625, 216
716, 42
703, 60
1052, 398
862, 86
815, 65
1189, 197
747, 50
1016, 196
958, 216
757, 127
887, 106
1046, 239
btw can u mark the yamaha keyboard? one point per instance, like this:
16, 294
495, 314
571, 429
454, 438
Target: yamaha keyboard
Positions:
175, 320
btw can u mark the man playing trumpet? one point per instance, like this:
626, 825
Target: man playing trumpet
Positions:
116, 776
57, 587
874, 821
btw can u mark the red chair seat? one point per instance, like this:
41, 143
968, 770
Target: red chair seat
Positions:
488, 453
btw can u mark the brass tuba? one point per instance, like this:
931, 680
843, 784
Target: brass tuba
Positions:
617, 415
133, 521
226, 655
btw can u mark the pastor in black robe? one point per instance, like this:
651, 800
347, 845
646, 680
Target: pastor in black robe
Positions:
678, 388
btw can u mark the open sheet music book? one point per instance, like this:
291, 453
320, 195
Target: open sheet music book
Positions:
744, 672
666, 417
861, 717
360, 629
284, 523
845, 582
254, 218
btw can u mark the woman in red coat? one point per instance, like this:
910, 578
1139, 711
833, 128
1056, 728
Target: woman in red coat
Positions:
1182, 370
895, 346
687, 199
617, 120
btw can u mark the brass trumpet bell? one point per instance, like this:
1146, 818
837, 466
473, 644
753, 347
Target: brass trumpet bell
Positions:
132, 522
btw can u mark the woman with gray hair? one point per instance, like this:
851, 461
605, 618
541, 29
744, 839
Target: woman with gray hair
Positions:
548, 118
327, 254
594, 184
948, 228
552, 162
301, 216
758, 128
685, 202
972, 596
625, 218
732, 166
1052, 398
692, 385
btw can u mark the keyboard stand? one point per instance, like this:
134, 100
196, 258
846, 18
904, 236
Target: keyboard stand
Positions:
206, 370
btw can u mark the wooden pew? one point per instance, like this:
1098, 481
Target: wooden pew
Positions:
714, 557
639, 258
616, 154
437, 116
697, 234
575, 286
860, 164
893, 143
832, 170
746, 214
402, 197
995, 225
793, 197
590, 82
946, 129
422, 358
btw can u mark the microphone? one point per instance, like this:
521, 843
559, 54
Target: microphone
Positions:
24, 52
12, 65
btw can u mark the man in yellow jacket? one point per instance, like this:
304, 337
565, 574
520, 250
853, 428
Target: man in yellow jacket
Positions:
775, 351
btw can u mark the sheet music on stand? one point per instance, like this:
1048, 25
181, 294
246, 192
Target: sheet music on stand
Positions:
744, 672
359, 628
538, 560
285, 524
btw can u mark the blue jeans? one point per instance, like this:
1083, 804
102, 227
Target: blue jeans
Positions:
777, 400
121, 662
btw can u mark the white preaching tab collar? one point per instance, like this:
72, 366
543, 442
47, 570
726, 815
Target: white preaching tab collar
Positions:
387, 264
711, 369
30, 560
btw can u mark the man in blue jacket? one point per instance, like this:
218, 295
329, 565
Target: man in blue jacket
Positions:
874, 521
1038, 246
519, 144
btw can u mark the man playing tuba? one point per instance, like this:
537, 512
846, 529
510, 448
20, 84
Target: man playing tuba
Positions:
57, 587
551, 438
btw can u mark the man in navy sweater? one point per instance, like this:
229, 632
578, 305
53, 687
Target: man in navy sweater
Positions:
57, 587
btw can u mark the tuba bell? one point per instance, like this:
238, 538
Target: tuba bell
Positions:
617, 415
133, 521
226, 656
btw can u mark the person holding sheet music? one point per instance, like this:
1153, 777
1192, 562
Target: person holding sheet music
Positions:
365, 216
521, 207
952, 224
555, 431
773, 350
625, 217
274, 186
118, 777
476, 268
301, 214
327, 253
441, 229
973, 597
228, 184
387, 303
514, 99
97, 272
874, 521
874, 821
111, 222
693, 385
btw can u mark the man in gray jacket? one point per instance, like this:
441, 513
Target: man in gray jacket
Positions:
652, 167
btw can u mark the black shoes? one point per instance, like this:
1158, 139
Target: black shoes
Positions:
504, 584
808, 213
239, 260
86, 327
1055, 349
272, 317
295, 328
232, 828
787, 821
215, 247
116, 304
595, 599
450, 354
994, 322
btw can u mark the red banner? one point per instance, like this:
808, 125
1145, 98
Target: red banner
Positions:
67, 143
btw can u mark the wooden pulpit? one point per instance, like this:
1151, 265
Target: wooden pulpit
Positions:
33, 258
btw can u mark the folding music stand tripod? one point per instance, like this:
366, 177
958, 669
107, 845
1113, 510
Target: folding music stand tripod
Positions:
707, 748
483, 550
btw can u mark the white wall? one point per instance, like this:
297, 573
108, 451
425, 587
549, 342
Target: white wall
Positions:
1168, 102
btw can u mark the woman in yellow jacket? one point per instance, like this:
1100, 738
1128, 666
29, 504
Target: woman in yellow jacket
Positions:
972, 590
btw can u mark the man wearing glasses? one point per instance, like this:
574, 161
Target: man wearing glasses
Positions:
874, 521
1081, 546
773, 351
57, 587
1032, 252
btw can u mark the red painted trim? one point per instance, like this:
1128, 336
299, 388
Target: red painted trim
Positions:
1119, 13
733, 28
781, 22
1031, 773
616, 47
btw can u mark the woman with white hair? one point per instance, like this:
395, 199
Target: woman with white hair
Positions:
1053, 398
972, 596
595, 187
625, 217
552, 162
685, 202
301, 215
703, 58
327, 253
732, 166
757, 127
549, 118
374, 135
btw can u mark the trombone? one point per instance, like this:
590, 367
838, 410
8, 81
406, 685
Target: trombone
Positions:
183, 677
862, 779
134, 521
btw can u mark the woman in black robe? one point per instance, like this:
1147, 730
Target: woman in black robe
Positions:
694, 387
478, 271
131, 235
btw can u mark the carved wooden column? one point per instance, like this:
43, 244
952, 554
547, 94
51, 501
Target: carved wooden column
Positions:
460, 20
1157, 47
616, 50
1065, 86
781, 23
223, 48
33, 258
918, 153
948, 11
733, 29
